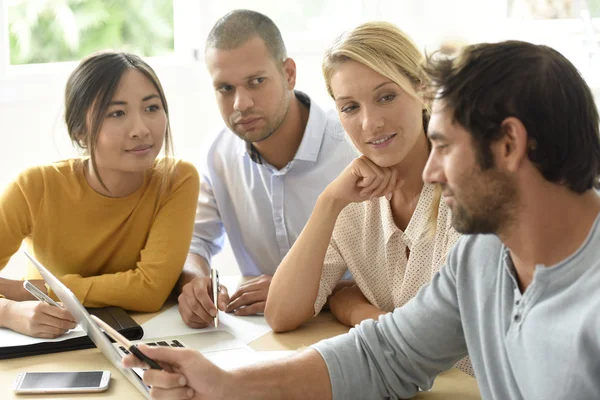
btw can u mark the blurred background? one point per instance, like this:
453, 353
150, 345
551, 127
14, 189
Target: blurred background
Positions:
42, 40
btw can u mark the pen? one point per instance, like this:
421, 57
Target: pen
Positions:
214, 276
122, 341
38, 294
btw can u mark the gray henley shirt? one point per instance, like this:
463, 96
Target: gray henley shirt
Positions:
540, 344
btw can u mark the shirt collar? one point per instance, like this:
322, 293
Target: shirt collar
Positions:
416, 226
389, 226
313, 133
311, 139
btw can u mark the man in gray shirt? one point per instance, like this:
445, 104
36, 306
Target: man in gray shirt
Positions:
516, 150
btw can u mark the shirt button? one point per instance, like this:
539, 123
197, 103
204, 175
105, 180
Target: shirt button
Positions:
517, 318
518, 302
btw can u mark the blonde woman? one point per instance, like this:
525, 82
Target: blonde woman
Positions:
378, 218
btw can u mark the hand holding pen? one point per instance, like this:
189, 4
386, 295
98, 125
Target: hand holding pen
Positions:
38, 294
122, 341
201, 299
38, 318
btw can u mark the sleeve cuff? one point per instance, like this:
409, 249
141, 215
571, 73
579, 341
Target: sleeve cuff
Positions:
197, 248
326, 350
76, 284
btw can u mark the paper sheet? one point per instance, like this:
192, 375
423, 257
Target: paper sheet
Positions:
246, 329
236, 358
10, 338
169, 323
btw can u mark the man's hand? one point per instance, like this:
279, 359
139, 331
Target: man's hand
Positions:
196, 303
38, 319
351, 307
186, 374
251, 297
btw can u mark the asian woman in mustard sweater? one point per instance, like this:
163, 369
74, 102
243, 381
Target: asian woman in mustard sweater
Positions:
114, 226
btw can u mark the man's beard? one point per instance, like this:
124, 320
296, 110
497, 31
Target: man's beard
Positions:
491, 206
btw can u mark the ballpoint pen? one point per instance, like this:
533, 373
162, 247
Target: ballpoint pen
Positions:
122, 341
214, 276
38, 294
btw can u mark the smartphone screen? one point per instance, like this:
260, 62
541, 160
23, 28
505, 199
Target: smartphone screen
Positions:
61, 380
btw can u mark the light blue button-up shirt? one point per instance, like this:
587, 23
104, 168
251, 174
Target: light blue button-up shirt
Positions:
261, 209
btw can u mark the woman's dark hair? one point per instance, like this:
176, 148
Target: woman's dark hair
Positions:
89, 91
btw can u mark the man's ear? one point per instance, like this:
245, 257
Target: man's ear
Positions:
289, 71
511, 149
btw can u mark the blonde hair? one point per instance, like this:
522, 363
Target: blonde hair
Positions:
390, 52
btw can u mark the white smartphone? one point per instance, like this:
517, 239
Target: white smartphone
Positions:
62, 382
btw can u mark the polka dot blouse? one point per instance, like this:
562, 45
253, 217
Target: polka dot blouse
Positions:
367, 242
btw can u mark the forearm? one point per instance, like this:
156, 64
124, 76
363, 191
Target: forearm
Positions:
361, 312
303, 376
195, 265
4, 313
295, 284
143, 289
13, 290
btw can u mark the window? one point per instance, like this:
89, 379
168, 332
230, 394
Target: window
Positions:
569, 26
307, 26
552, 9
46, 31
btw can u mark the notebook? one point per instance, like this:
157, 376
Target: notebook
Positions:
16, 345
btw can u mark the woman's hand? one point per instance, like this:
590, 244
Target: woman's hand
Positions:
37, 319
351, 307
363, 180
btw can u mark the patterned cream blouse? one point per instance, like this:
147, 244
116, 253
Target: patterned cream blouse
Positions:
367, 241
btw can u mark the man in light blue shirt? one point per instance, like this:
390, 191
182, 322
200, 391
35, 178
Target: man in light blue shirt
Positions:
516, 151
265, 169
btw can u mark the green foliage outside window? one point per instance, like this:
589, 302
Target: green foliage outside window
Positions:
42, 31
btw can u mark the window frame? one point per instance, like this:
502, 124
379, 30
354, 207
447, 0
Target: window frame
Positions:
4, 45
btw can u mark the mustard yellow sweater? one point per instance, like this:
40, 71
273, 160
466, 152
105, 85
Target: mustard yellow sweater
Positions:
125, 252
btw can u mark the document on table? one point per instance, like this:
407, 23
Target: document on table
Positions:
169, 323
9, 338
246, 329
236, 358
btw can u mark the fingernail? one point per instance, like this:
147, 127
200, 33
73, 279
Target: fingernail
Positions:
189, 393
223, 305
213, 312
388, 196
182, 381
